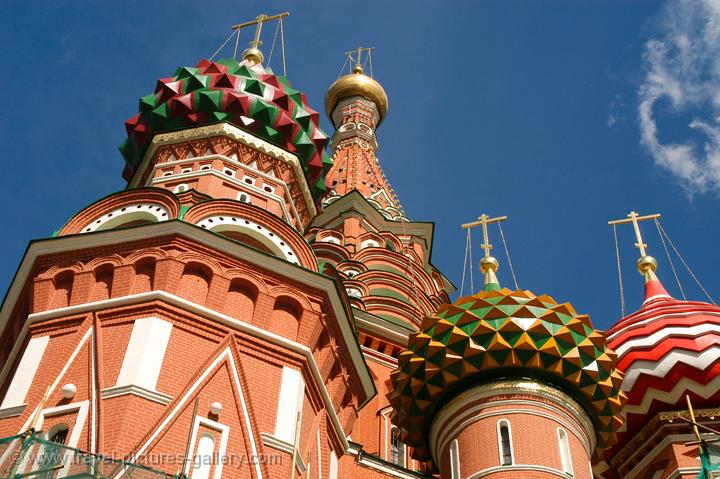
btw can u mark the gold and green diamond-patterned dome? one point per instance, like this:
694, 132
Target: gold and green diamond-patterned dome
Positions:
503, 333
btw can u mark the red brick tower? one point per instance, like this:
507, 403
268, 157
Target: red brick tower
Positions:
363, 237
187, 314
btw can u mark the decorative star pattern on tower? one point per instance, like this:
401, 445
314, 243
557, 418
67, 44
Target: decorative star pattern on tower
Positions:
491, 331
246, 95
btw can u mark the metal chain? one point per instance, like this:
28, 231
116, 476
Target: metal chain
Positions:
272, 47
342, 69
685, 264
507, 255
462, 282
672, 265
282, 44
620, 280
237, 40
472, 283
223, 45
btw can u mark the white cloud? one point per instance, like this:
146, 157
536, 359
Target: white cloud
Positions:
682, 68
611, 120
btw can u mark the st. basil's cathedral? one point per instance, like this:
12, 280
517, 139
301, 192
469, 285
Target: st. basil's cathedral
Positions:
256, 304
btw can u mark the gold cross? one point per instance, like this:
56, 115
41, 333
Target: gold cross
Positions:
483, 221
358, 57
258, 22
635, 219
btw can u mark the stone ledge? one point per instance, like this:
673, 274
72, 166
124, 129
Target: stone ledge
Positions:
12, 411
155, 396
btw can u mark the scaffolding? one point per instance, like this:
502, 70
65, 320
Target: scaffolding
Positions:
30, 455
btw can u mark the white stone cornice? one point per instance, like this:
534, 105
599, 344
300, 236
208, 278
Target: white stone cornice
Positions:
380, 358
381, 327
12, 411
519, 469
155, 396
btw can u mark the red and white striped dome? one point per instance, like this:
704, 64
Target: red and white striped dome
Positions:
667, 349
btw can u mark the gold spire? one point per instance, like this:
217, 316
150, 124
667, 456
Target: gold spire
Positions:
253, 53
357, 83
488, 264
647, 265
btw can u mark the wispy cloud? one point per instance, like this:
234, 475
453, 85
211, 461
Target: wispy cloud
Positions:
682, 70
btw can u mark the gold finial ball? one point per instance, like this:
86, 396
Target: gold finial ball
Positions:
646, 263
489, 263
356, 84
253, 55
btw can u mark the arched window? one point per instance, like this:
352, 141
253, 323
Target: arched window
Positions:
369, 243
58, 434
397, 448
180, 188
52, 451
204, 457
565, 457
505, 443
331, 239
244, 198
354, 292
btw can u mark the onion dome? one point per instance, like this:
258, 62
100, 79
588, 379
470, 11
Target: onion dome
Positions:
502, 333
356, 84
245, 94
667, 349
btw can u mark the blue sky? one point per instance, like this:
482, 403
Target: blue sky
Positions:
559, 114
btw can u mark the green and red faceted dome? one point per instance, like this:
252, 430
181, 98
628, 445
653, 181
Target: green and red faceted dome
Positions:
667, 349
247, 95
503, 333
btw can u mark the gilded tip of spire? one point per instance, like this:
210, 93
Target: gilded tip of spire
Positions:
488, 266
489, 263
253, 55
647, 264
